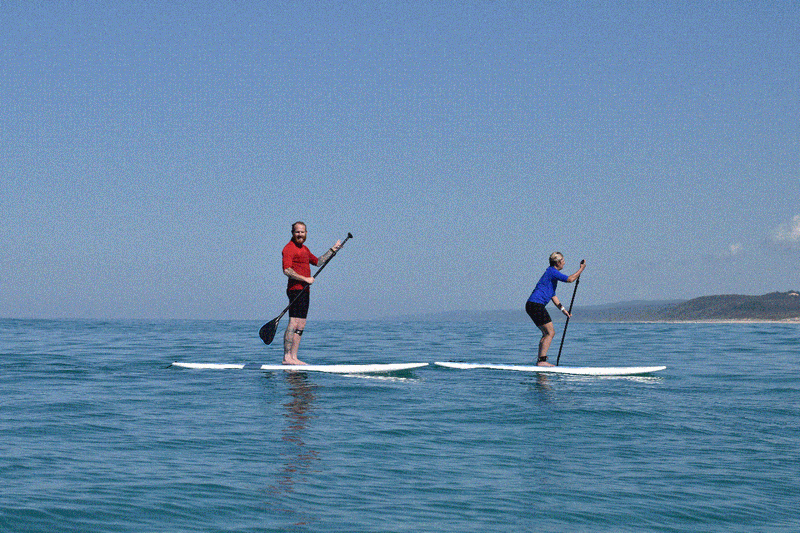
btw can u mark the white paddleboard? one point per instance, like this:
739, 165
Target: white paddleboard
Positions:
336, 369
579, 370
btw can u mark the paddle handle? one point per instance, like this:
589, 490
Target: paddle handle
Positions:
349, 236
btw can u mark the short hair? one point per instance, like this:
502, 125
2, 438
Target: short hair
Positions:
555, 257
301, 223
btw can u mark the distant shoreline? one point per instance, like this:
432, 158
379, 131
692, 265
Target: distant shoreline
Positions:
775, 308
576, 319
795, 320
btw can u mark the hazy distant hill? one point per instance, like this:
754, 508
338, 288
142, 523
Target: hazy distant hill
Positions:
772, 306
635, 311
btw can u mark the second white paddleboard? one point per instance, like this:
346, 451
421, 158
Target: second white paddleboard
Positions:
578, 370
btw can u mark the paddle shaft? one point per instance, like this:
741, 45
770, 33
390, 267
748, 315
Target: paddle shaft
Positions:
564, 334
267, 331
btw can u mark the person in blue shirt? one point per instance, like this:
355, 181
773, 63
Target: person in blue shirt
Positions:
545, 291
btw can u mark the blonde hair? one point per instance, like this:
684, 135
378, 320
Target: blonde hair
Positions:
555, 257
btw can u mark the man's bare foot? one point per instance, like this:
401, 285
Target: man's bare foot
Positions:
544, 363
293, 362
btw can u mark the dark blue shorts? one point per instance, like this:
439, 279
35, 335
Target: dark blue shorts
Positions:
538, 313
299, 307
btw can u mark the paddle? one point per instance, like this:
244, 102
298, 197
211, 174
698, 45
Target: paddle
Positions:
564, 334
267, 331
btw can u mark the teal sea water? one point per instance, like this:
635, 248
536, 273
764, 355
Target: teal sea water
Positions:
99, 433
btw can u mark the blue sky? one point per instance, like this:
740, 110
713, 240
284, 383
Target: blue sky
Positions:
154, 154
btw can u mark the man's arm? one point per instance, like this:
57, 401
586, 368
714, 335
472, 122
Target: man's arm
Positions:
295, 276
324, 258
577, 274
558, 304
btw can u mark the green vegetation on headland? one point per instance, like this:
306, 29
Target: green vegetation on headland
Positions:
774, 306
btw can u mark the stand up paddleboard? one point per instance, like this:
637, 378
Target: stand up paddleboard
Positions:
578, 370
336, 369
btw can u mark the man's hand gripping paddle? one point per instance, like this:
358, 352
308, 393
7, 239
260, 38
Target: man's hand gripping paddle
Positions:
267, 331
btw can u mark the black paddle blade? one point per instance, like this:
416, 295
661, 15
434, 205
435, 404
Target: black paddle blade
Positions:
267, 331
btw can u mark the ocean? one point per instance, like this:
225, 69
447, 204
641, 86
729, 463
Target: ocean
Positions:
99, 433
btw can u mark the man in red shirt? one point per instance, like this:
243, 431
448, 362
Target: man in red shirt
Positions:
297, 261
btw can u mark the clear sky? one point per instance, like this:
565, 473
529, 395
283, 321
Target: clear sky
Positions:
153, 155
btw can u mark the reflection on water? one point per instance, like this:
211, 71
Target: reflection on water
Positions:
383, 377
297, 456
299, 412
543, 388
545, 385
637, 379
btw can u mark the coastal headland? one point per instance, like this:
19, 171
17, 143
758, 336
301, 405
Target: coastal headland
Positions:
772, 307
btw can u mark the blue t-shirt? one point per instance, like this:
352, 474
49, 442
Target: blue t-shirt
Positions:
546, 287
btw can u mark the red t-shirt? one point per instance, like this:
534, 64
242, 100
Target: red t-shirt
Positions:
298, 258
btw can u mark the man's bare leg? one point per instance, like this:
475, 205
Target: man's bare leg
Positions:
291, 341
544, 344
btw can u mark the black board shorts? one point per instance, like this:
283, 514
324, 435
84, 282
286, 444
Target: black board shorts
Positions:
538, 313
299, 307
